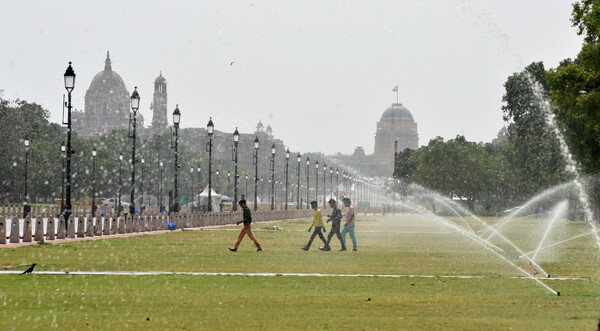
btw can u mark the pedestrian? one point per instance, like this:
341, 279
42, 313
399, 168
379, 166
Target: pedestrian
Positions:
246, 229
319, 227
349, 226
336, 219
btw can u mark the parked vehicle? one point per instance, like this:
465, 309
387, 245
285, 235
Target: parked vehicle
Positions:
112, 202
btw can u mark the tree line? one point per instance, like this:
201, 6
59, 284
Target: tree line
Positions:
496, 176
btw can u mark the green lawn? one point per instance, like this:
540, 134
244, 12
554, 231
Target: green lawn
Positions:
387, 246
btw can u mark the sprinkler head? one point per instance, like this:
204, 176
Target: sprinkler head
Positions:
557, 293
548, 275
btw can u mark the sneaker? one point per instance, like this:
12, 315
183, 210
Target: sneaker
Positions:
343, 249
259, 249
233, 249
354, 249
322, 248
327, 249
304, 248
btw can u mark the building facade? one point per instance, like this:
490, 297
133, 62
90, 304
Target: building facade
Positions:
107, 105
395, 125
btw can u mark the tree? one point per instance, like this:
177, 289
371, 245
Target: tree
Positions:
456, 168
535, 153
575, 89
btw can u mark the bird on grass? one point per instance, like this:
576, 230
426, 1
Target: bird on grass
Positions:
28, 271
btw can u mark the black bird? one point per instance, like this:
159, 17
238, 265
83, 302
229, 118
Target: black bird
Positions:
28, 271
232, 62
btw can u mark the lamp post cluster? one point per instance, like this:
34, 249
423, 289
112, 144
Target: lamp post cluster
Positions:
67, 152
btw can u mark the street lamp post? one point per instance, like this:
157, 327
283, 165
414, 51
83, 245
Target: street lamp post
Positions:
317, 182
324, 186
344, 184
142, 209
120, 184
198, 170
236, 139
210, 128
160, 180
273, 176
337, 182
255, 161
135, 105
298, 158
331, 182
94, 182
26, 206
69, 86
13, 184
307, 180
176, 121
217, 180
287, 168
228, 182
192, 188
63, 151
246, 194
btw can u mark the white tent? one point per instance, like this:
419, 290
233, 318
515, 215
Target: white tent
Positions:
214, 196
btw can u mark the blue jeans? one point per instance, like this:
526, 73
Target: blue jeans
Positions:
349, 229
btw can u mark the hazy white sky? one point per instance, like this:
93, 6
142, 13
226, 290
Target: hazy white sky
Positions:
320, 72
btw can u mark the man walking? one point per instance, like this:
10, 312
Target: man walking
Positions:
336, 219
318, 224
349, 226
247, 228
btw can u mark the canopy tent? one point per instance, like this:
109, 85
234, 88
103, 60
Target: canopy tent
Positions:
214, 196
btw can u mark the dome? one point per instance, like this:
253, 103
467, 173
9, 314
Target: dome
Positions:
397, 112
107, 80
160, 79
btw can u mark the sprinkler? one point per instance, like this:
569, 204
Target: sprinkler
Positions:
557, 293
548, 275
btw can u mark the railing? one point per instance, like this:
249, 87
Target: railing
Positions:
45, 226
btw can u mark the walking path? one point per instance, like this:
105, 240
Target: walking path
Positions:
265, 274
122, 235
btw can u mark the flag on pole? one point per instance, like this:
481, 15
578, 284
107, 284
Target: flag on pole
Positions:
395, 89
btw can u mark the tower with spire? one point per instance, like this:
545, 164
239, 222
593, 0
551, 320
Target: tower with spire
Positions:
159, 105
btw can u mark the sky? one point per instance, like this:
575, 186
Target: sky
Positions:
321, 73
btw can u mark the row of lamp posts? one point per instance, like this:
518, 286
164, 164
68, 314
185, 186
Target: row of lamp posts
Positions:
66, 206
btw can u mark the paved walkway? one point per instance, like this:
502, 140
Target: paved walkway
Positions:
123, 235
266, 274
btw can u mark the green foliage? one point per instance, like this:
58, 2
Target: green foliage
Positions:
575, 90
456, 168
18, 120
535, 154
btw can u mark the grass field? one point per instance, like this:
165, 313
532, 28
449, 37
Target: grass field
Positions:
429, 256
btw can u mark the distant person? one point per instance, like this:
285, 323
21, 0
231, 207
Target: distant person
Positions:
349, 226
246, 229
336, 219
319, 228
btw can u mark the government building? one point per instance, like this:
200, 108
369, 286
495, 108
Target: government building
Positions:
395, 125
107, 107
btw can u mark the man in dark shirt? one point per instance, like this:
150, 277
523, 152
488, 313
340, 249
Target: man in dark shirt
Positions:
336, 219
246, 229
